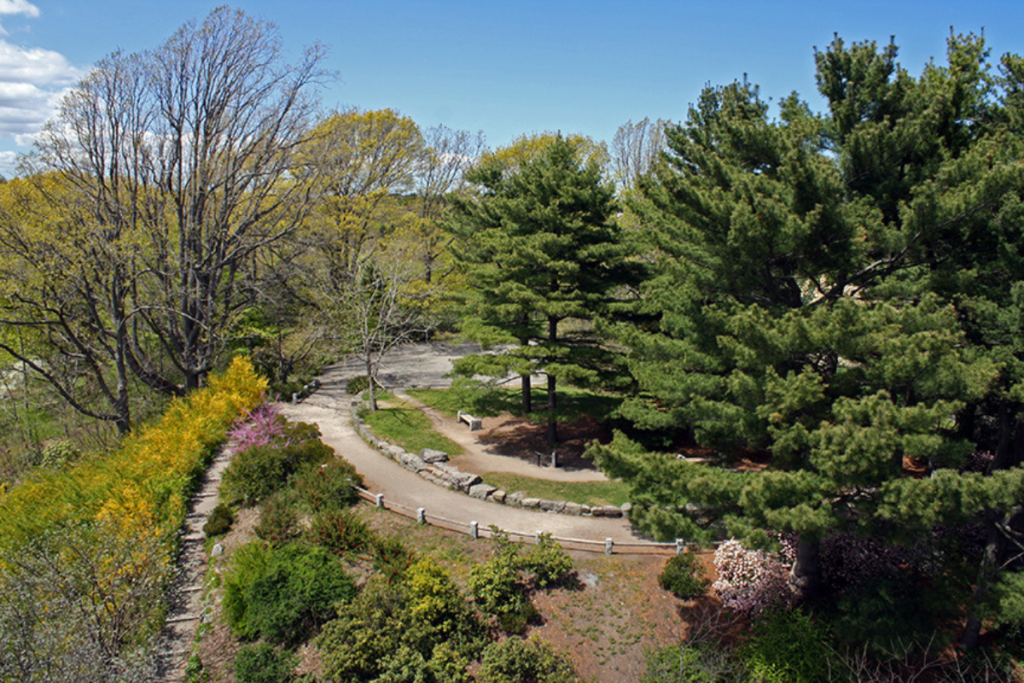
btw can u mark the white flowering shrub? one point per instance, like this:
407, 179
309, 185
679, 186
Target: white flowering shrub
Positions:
753, 582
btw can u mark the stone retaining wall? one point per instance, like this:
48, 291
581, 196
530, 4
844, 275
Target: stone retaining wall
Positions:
435, 468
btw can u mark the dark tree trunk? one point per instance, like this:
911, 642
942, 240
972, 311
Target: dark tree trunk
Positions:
552, 383
805, 577
552, 405
527, 397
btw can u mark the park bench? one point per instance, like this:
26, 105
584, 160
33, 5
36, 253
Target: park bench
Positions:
475, 423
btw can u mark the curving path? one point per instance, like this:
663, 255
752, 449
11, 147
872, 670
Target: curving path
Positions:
329, 408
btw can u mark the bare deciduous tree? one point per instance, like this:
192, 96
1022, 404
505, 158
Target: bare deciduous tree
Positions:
635, 148
176, 168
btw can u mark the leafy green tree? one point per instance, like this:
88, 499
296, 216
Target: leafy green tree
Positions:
538, 247
798, 309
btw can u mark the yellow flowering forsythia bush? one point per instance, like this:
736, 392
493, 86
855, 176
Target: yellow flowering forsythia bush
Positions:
86, 553
144, 487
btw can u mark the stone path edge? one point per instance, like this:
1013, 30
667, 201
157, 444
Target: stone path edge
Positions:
432, 466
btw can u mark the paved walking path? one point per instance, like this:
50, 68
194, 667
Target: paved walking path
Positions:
330, 409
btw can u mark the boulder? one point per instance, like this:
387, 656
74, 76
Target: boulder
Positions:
552, 505
410, 461
515, 498
498, 496
531, 503
481, 491
431, 456
573, 509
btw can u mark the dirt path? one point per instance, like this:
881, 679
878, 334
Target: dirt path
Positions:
329, 408
479, 458
185, 605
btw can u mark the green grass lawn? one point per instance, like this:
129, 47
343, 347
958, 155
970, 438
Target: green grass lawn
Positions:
584, 492
407, 426
479, 401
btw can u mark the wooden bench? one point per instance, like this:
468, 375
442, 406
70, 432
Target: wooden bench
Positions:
475, 423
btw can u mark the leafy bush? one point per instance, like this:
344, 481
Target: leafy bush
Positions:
279, 519
390, 556
548, 563
357, 384
751, 582
58, 453
259, 427
787, 647
220, 520
502, 585
417, 628
339, 531
436, 602
257, 472
691, 663
282, 594
683, 576
328, 485
264, 663
515, 660
500, 591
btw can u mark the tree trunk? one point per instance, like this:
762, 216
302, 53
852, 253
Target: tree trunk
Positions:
370, 375
552, 380
805, 577
527, 397
552, 405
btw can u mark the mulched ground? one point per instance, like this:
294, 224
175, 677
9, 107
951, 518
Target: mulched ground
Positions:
520, 438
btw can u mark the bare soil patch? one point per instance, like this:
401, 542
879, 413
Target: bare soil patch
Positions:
520, 438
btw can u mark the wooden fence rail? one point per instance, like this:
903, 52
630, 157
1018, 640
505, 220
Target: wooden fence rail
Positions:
606, 546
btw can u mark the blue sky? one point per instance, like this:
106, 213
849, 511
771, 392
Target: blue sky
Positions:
503, 68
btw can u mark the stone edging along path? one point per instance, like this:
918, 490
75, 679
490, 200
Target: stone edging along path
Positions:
434, 467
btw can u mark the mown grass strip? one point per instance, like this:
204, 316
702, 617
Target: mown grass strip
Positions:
583, 492
574, 404
407, 426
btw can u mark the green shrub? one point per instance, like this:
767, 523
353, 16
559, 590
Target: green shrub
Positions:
787, 647
220, 520
683, 576
879, 613
357, 384
390, 556
340, 532
279, 519
515, 660
701, 662
257, 472
264, 663
502, 585
282, 594
416, 628
328, 485
548, 563
500, 591
59, 452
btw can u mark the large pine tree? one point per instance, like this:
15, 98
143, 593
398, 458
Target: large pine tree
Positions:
538, 246
810, 304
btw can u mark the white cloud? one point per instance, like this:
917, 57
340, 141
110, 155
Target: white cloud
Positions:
35, 65
32, 82
19, 7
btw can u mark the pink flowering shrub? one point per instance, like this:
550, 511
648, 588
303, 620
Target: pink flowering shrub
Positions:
258, 427
753, 582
